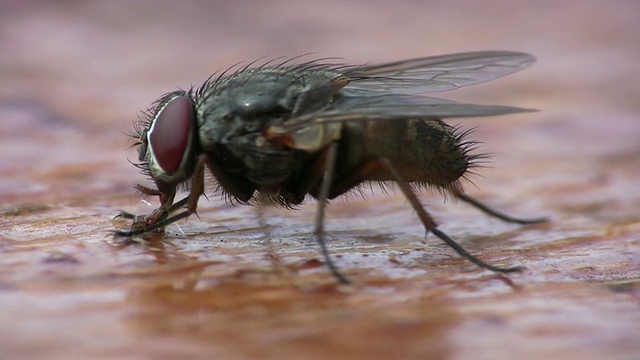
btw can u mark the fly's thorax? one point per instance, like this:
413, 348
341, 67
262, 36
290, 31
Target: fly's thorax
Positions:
221, 119
265, 164
308, 138
253, 100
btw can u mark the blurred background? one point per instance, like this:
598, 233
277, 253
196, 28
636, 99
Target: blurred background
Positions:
92, 66
74, 75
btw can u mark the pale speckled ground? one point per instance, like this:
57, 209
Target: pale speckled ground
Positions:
238, 283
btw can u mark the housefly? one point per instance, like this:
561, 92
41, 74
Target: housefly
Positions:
279, 132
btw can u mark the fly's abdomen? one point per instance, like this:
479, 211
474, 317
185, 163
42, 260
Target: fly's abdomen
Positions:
441, 155
425, 151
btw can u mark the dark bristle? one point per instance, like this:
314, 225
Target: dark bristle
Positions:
219, 79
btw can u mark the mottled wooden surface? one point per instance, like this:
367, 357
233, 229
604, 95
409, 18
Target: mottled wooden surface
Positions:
243, 283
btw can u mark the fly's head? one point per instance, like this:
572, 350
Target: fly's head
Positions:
166, 139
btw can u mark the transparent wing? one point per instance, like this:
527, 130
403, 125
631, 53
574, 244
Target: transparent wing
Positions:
437, 73
395, 107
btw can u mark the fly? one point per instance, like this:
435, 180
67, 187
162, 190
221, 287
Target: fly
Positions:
281, 132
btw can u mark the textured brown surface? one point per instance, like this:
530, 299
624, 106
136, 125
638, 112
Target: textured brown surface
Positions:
242, 283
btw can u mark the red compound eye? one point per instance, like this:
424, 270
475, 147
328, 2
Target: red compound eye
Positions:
170, 133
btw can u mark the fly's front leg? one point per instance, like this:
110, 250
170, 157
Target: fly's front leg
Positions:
160, 217
142, 222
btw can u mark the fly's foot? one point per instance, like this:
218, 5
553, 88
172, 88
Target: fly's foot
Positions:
142, 223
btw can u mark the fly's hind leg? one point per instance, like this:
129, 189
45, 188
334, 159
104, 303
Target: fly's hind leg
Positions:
364, 172
491, 212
